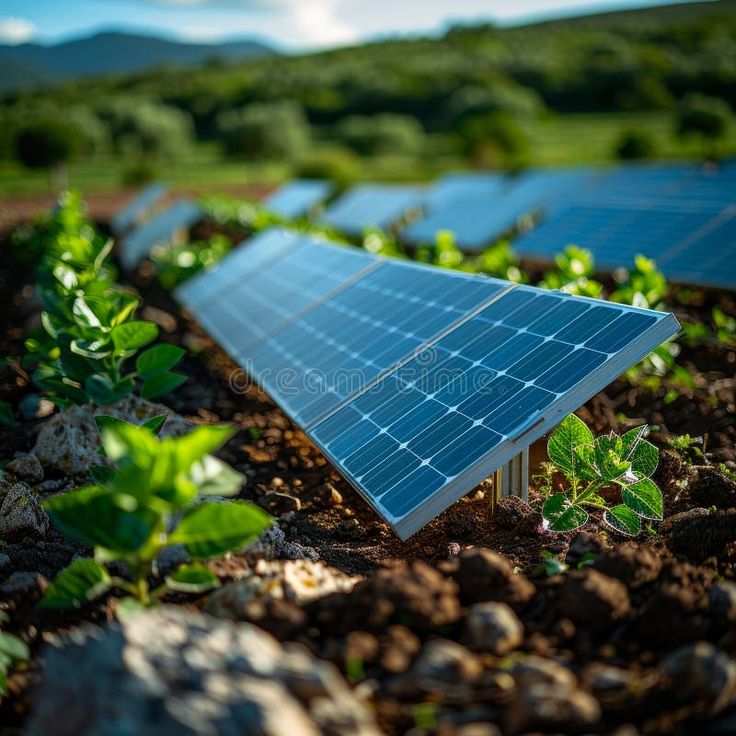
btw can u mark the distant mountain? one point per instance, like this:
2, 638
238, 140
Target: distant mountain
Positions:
31, 64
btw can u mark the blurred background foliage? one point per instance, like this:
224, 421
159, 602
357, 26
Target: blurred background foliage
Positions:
654, 83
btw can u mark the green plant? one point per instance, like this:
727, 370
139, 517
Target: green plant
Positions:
573, 273
89, 330
689, 448
549, 566
12, 651
590, 466
644, 286
501, 261
443, 252
146, 505
177, 263
725, 327
634, 144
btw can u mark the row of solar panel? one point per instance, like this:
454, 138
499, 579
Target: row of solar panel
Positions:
416, 382
681, 215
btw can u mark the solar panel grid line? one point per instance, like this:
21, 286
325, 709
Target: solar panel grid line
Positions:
411, 356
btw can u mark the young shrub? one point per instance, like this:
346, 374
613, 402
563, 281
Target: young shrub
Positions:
146, 504
591, 464
12, 651
573, 273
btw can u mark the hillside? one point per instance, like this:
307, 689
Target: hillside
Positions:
111, 53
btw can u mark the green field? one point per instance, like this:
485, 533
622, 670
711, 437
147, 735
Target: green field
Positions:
558, 141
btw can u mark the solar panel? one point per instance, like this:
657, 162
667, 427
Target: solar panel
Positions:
162, 228
462, 184
299, 197
372, 205
140, 206
416, 382
476, 220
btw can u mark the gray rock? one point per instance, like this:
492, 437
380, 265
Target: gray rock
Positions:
26, 467
702, 672
68, 442
22, 584
21, 515
552, 706
722, 601
493, 627
171, 672
273, 545
34, 406
444, 666
299, 581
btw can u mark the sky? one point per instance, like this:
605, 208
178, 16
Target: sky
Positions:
291, 24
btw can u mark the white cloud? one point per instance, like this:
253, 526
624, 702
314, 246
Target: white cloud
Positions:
16, 30
317, 22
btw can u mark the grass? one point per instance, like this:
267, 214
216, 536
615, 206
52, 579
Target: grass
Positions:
563, 140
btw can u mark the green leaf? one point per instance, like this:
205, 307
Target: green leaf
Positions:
94, 349
215, 478
644, 499
82, 581
643, 455
158, 359
192, 579
98, 517
162, 384
13, 648
155, 423
103, 392
211, 529
83, 313
562, 515
194, 445
133, 335
6, 414
101, 474
128, 606
571, 433
623, 520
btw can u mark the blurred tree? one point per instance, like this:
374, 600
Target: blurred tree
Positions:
707, 118
48, 143
634, 144
142, 127
336, 164
263, 131
495, 140
379, 135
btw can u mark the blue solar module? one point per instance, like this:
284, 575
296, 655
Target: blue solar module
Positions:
434, 427
362, 330
416, 382
299, 197
256, 288
161, 229
138, 208
476, 221
462, 184
372, 205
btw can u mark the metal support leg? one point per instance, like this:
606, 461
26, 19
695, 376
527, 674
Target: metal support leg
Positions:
512, 479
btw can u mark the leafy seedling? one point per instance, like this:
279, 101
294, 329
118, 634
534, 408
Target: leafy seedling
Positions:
592, 464
148, 503
12, 651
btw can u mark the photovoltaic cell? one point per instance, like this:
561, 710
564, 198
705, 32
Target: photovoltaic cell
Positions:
417, 382
461, 185
299, 197
161, 229
138, 208
372, 205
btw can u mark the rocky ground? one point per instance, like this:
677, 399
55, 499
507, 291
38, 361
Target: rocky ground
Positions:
481, 624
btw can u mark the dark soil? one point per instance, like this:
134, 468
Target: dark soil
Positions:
614, 618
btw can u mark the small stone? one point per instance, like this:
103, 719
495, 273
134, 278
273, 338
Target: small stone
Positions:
272, 544
34, 406
22, 584
444, 664
279, 504
484, 575
494, 627
603, 680
633, 564
702, 672
552, 707
722, 601
277, 482
21, 515
533, 670
26, 467
589, 597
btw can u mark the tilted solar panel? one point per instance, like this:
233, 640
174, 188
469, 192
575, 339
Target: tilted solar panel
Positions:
299, 197
372, 205
138, 208
162, 228
477, 220
459, 185
417, 382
